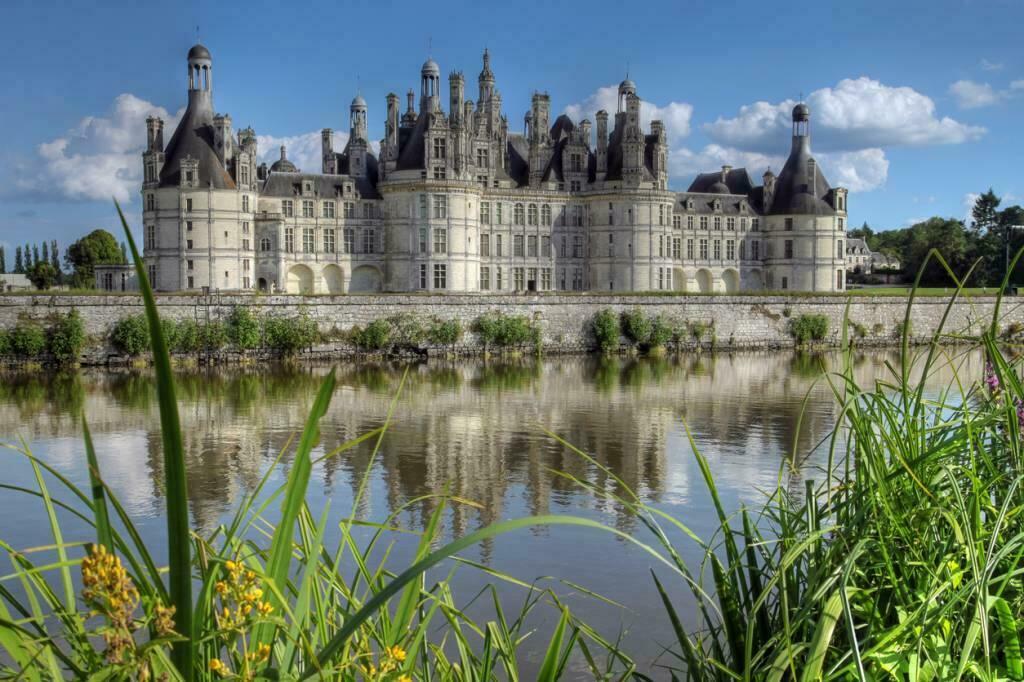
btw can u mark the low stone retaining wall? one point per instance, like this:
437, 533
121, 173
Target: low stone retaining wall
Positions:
565, 320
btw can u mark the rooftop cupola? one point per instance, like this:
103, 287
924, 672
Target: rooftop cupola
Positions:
430, 86
283, 165
200, 77
627, 88
357, 118
801, 125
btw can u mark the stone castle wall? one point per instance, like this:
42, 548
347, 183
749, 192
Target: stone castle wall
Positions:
738, 321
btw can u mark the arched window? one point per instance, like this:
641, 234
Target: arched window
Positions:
545, 215
531, 214
265, 244
517, 214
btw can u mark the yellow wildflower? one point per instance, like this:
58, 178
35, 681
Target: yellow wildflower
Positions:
265, 608
217, 666
396, 652
404, 678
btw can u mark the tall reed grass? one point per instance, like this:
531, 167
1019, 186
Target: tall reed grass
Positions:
903, 563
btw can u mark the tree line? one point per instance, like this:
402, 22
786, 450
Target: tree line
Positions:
986, 239
41, 263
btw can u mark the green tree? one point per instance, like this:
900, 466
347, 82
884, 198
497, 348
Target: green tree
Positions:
42, 275
28, 257
985, 212
863, 232
3, 261
96, 248
948, 236
55, 260
19, 264
46, 252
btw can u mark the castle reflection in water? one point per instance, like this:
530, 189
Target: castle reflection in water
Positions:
477, 428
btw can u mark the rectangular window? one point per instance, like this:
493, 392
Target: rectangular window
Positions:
151, 202
440, 206
518, 278
485, 278
150, 236
423, 276
245, 265
676, 250
730, 249
497, 279
328, 209
517, 214
743, 224
287, 208
245, 203
730, 224
485, 245
789, 224
689, 222
245, 244
661, 278
482, 157
841, 223
188, 205
661, 246
677, 222
188, 225
440, 240
485, 213
367, 210
289, 239
703, 222
789, 248
689, 249
718, 249
755, 250
152, 274
785, 282
329, 241
564, 247
545, 279
517, 245
191, 282
190, 264
531, 214
307, 240
188, 243
440, 148
661, 214
839, 249
497, 246
440, 276
743, 251
531, 246
545, 246
423, 240
577, 246
369, 241
349, 236
703, 249
755, 224
718, 222
611, 245
350, 209
497, 214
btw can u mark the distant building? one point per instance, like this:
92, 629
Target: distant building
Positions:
457, 202
14, 282
881, 261
116, 278
858, 256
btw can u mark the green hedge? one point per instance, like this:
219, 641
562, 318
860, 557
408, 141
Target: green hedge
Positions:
607, 330
498, 329
130, 335
807, 328
67, 337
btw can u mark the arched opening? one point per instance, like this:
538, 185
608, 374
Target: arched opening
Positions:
334, 280
300, 280
678, 279
753, 280
704, 285
731, 279
365, 278
261, 284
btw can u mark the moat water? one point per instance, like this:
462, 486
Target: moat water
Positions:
476, 429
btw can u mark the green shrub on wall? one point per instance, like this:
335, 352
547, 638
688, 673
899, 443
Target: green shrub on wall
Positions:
289, 335
636, 326
67, 337
607, 330
407, 330
213, 336
444, 332
131, 335
661, 332
376, 336
27, 339
243, 329
5, 343
807, 328
498, 329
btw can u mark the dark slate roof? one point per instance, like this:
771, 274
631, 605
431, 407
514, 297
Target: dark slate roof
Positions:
518, 155
794, 194
614, 170
411, 145
287, 185
283, 166
563, 126
367, 186
705, 203
737, 181
194, 137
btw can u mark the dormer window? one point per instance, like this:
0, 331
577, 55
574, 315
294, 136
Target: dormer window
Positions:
189, 172
307, 187
718, 204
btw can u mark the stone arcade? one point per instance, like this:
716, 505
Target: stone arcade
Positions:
456, 202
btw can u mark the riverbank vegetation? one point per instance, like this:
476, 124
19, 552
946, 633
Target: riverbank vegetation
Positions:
902, 562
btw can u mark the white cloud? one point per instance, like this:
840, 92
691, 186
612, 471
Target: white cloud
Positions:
972, 95
968, 205
675, 115
1017, 85
98, 158
856, 114
303, 150
683, 162
858, 171
986, 65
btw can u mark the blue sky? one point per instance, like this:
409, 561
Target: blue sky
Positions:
913, 103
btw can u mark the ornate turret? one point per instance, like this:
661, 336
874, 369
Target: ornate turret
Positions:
283, 165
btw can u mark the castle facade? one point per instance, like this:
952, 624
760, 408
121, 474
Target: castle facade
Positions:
456, 202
